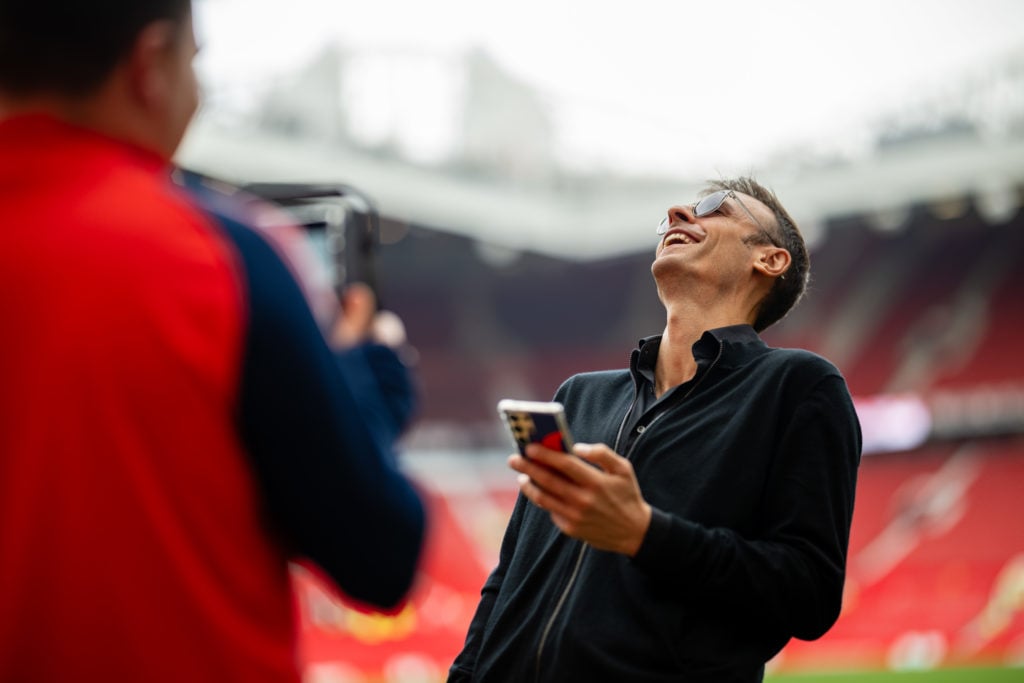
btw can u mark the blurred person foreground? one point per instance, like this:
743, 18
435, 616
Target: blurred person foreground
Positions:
174, 427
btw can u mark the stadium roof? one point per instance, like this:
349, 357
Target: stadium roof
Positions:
506, 162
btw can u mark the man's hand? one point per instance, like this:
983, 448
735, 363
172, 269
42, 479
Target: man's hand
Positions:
361, 321
600, 505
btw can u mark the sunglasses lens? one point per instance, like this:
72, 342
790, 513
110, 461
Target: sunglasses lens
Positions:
710, 204
704, 207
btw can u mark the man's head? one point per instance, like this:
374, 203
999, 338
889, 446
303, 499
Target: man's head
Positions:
78, 57
737, 239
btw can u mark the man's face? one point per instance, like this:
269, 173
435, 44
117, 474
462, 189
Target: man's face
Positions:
720, 248
183, 88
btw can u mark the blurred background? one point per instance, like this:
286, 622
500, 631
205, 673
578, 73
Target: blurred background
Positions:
521, 155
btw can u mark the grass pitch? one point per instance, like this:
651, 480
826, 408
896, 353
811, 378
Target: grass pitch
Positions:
1001, 675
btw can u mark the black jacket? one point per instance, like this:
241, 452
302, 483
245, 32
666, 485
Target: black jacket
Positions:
750, 468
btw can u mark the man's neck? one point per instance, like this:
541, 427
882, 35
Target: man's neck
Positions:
685, 323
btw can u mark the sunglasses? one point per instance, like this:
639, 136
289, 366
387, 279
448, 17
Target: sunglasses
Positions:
712, 203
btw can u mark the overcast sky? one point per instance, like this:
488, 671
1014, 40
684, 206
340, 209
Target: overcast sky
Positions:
645, 84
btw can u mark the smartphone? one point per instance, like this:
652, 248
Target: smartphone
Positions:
536, 422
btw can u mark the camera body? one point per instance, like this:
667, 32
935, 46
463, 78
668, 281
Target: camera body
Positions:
342, 224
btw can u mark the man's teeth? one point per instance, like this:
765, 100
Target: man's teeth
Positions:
678, 238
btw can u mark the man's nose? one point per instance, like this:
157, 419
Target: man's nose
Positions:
680, 214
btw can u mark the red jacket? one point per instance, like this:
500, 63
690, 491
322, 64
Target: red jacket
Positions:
144, 534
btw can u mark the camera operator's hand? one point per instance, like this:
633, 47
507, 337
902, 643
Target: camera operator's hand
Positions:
361, 321
381, 377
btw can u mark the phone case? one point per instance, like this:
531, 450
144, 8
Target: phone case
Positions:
536, 422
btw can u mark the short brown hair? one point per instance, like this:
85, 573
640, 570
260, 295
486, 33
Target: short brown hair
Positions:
71, 48
789, 288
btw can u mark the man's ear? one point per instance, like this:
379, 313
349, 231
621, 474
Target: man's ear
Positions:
150, 65
772, 261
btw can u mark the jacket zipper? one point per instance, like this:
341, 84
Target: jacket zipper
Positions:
558, 608
718, 356
583, 546
579, 560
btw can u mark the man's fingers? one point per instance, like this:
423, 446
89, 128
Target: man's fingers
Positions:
542, 476
544, 499
566, 465
358, 305
600, 455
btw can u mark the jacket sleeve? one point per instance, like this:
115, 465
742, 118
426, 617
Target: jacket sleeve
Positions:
790, 577
384, 385
465, 663
320, 430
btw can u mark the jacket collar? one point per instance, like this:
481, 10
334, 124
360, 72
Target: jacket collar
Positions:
738, 344
35, 132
